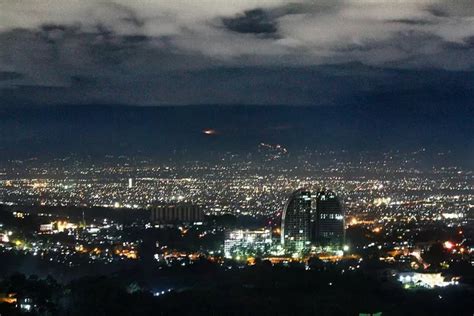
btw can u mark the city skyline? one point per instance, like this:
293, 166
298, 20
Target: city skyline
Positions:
237, 157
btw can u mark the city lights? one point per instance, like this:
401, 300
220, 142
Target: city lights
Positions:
237, 157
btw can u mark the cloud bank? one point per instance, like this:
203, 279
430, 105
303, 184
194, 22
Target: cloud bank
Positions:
156, 52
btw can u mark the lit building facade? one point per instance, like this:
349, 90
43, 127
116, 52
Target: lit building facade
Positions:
329, 223
426, 280
295, 221
247, 243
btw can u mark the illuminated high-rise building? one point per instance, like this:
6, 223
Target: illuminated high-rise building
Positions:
295, 221
329, 222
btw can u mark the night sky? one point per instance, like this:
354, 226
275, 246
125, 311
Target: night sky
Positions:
75, 75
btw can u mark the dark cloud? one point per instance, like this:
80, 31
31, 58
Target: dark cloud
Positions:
458, 8
437, 12
255, 21
411, 21
126, 14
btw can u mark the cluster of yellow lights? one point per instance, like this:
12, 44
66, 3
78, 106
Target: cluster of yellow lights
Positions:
129, 254
20, 214
9, 298
382, 201
39, 185
377, 230
448, 245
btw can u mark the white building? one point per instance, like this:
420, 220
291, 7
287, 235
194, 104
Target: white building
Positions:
247, 242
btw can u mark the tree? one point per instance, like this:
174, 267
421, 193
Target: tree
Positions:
435, 255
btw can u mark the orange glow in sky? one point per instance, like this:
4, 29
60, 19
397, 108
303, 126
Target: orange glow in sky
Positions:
209, 131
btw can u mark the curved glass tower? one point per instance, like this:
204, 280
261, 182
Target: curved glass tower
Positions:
295, 221
329, 219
